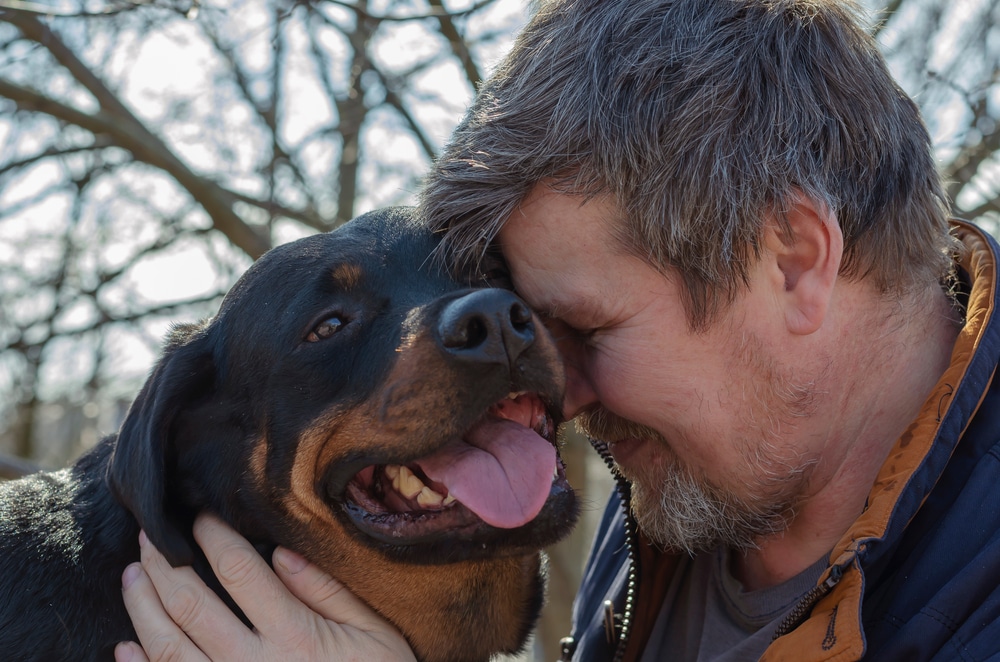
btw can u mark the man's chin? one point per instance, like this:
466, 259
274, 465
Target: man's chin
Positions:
680, 513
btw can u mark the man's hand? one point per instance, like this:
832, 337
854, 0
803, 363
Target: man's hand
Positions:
300, 612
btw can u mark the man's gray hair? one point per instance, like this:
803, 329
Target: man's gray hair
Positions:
700, 118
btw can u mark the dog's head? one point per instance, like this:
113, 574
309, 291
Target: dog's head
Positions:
385, 419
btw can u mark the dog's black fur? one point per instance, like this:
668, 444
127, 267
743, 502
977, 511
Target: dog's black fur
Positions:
255, 416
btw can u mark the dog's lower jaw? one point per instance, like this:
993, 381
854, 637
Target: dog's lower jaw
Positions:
483, 607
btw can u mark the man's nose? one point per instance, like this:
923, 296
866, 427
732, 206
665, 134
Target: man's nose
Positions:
580, 393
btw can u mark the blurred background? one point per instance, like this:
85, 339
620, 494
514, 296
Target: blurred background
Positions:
151, 150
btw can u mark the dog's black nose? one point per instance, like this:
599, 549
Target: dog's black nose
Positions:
486, 326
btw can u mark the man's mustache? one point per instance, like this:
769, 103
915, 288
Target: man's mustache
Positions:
599, 423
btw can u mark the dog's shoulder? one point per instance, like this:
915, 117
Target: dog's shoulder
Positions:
46, 508
64, 542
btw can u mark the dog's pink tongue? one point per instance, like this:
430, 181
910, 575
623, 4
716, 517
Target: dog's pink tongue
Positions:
502, 471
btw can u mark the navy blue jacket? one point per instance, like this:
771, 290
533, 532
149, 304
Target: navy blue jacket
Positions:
917, 575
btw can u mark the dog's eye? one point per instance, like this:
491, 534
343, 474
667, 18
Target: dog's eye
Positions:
325, 329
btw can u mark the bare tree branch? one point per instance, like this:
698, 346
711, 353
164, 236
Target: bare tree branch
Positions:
308, 216
890, 9
41, 10
351, 111
966, 164
100, 143
458, 45
393, 98
116, 121
436, 12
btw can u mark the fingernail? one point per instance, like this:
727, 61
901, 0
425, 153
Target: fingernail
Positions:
292, 563
142, 538
124, 652
131, 573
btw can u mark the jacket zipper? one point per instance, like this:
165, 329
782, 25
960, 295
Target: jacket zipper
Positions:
631, 539
789, 623
806, 603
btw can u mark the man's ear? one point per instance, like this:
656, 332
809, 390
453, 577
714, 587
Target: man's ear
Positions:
142, 457
807, 249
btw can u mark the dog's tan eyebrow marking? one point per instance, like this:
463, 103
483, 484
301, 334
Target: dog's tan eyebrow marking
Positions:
346, 275
258, 460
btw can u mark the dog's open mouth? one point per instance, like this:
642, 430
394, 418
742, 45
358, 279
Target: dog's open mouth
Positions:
499, 474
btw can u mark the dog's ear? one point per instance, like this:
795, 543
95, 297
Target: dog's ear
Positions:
143, 455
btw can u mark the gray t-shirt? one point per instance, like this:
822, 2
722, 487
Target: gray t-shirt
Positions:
707, 616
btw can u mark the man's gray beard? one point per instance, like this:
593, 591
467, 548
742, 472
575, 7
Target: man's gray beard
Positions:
680, 512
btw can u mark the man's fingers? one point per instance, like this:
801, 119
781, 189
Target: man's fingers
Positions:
129, 651
161, 638
345, 614
249, 580
321, 592
195, 609
314, 617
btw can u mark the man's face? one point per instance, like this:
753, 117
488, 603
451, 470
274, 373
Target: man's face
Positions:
701, 423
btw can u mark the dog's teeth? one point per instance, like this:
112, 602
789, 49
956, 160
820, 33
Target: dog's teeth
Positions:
407, 484
429, 498
514, 395
448, 500
392, 472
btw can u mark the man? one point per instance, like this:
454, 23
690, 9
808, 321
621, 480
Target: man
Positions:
730, 215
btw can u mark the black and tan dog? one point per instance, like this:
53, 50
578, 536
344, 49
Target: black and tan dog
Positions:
348, 401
